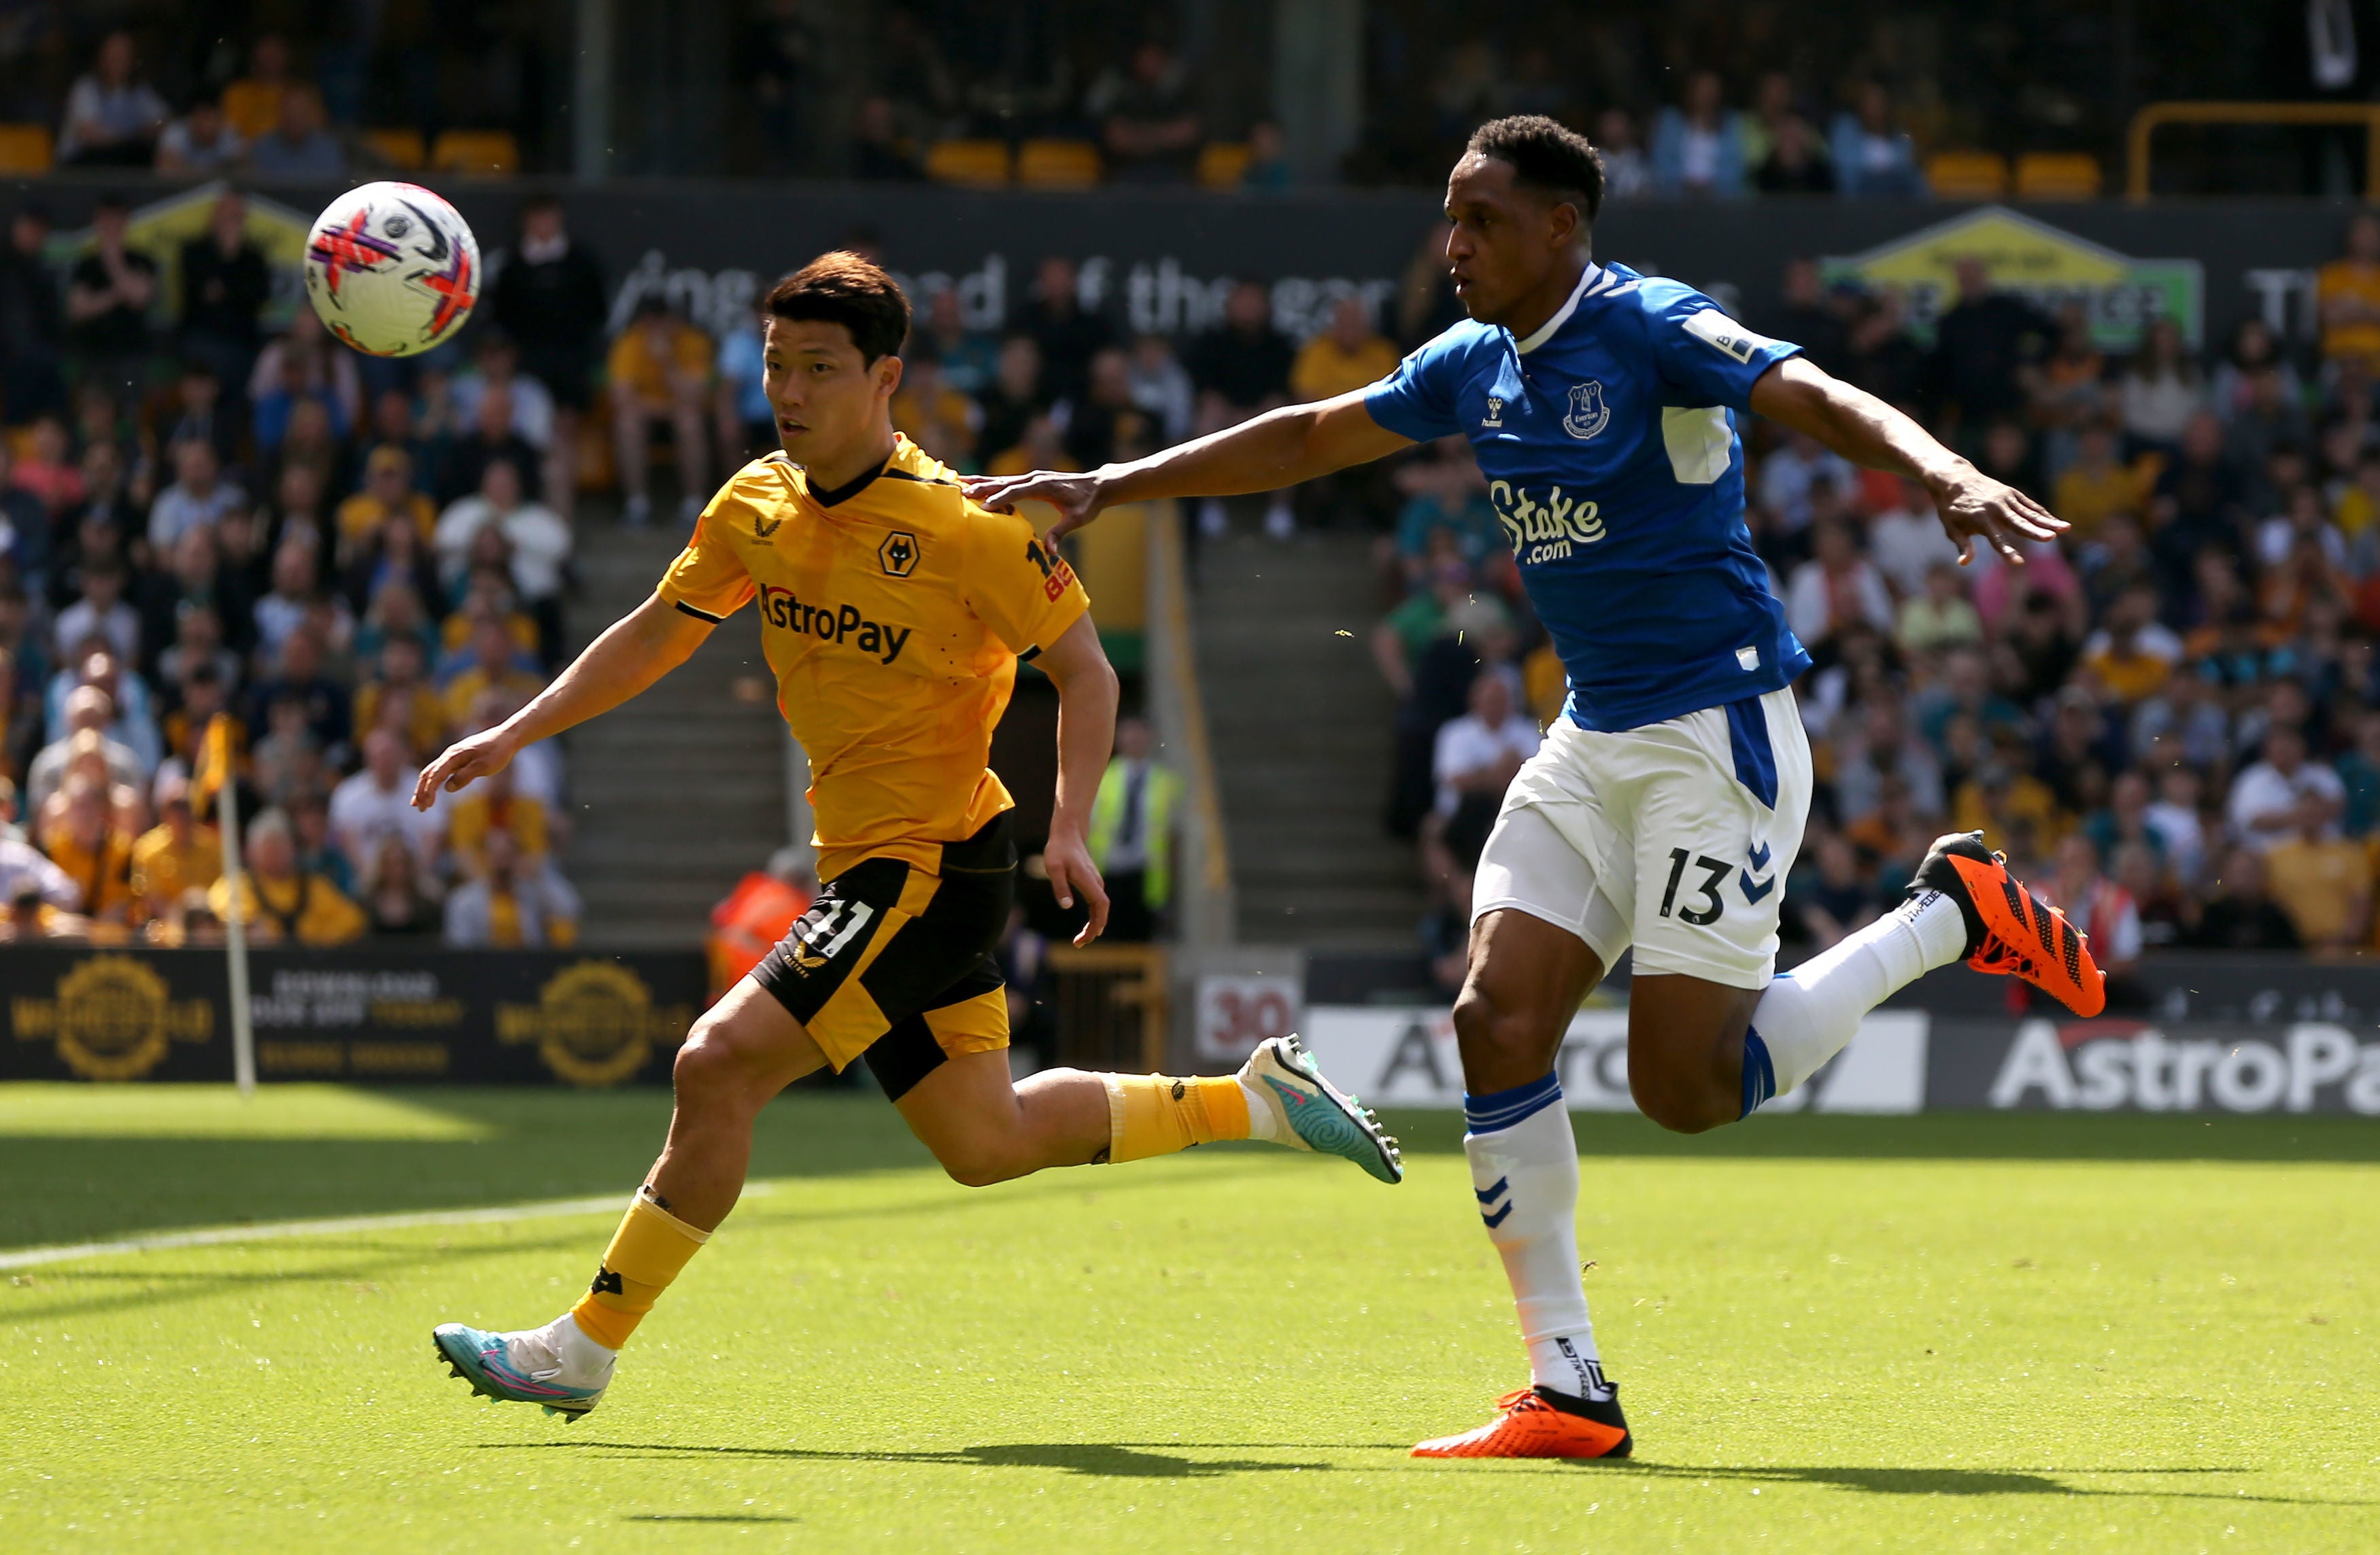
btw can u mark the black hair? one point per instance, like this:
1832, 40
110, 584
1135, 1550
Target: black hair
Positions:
847, 289
1549, 157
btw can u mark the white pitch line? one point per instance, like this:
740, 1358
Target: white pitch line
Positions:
276, 1230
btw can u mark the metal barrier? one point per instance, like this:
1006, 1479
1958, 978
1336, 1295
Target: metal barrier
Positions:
2150, 119
1111, 1006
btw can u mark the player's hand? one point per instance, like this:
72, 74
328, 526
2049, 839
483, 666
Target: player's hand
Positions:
465, 762
1071, 870
1974, 507
1077, 498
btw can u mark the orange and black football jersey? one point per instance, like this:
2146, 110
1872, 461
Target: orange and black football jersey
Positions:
893, 611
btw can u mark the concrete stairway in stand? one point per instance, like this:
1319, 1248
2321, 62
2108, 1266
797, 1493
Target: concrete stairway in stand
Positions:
677, 793
1300, 724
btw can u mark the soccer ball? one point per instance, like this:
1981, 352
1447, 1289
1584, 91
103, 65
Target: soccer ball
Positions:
393, 270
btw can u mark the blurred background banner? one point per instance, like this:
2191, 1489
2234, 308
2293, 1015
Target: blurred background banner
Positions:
407, 1017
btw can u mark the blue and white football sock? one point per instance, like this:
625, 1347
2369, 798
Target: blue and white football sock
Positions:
1525, 1173
1807, 1014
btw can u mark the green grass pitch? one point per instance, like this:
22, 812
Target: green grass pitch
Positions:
1936, 1334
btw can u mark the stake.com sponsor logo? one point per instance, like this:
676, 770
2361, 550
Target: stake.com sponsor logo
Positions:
2099, 1066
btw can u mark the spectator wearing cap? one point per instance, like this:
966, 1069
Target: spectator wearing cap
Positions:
32, 321
549, 297
112, 116
109, 293
660, 374
200, 141
279, 903
301, 144
226, 284
176, 855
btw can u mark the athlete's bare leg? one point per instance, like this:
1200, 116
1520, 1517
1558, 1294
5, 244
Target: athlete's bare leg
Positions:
1527, 978
1526, 981
740, 1055
1685, 1050
985, 1127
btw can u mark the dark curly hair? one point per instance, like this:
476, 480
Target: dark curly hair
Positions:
1549, 157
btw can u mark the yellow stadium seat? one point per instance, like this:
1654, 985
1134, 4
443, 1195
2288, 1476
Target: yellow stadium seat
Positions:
1967, 175
474, 151
25, 148
1222, 164
977, 164
399, 147
2057, 176
1058, 164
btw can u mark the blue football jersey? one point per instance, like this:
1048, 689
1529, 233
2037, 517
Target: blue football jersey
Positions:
1610, 445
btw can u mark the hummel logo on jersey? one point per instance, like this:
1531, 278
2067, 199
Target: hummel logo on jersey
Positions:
1495, 416
1717, 330
1757, 857
833, 624
1588, 414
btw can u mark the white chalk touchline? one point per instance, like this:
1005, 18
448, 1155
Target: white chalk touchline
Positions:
275, 1231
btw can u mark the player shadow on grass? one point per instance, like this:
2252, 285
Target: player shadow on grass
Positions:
1961, 1482
1104, 1460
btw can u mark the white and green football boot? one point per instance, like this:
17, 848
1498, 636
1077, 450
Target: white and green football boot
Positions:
556, 1365
1310, 1113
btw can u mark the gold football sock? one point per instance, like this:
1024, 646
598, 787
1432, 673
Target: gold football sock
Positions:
1157, 1115
646, 1253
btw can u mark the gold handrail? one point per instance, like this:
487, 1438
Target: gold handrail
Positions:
1171, 664
2156, 115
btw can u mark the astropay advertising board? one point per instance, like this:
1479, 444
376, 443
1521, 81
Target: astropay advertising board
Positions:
1910, 1060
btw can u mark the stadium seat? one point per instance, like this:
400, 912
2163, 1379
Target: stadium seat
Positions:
1222, 164
490, 152
399, 147
1967, 175
25, 148
1058, 164
977, 164
2057, 176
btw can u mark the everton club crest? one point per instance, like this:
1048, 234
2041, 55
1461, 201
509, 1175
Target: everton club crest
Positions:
1588, 414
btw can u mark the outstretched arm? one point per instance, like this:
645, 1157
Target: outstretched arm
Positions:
1868, 432
633, 652
1279, 448
1087, 712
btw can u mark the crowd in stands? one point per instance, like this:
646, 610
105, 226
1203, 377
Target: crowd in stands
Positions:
356, 562
2169, 717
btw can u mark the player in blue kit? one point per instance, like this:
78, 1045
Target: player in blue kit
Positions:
1667, 805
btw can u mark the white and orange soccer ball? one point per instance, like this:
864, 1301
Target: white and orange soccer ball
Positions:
392, 269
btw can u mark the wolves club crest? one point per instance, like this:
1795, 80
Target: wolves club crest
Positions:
1588, 414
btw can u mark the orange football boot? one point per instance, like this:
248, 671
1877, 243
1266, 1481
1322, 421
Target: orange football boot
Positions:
1531, 1426
2009, 930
